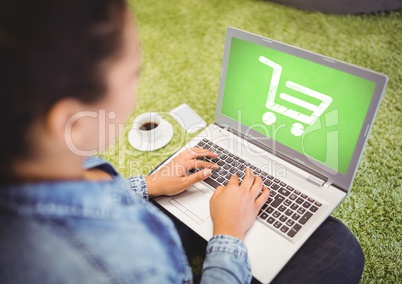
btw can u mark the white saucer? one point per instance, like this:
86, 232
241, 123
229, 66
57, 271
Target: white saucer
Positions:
166, 135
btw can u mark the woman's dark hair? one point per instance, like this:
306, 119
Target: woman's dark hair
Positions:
50, 50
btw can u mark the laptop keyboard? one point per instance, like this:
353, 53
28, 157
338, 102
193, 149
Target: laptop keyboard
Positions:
287, 209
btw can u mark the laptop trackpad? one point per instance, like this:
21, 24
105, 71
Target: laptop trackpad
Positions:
194, 203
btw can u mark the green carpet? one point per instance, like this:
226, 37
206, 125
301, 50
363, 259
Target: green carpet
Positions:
182, 45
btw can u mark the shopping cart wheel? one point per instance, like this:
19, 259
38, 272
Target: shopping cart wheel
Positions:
297, 129
269, 118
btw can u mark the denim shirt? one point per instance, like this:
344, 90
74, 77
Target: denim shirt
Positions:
101, 232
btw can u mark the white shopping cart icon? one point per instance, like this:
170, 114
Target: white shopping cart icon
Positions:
269, 118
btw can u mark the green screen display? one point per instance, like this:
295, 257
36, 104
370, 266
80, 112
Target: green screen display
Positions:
311, 108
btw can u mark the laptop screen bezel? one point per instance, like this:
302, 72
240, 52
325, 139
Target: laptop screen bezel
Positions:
342, 181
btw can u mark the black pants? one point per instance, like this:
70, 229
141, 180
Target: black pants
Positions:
331, 255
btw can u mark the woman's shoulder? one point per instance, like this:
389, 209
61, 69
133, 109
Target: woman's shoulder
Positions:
33, 252
102, 240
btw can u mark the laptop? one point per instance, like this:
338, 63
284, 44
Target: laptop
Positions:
298, 119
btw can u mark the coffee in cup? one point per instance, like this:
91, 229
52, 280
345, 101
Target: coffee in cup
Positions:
150, 132
148, 127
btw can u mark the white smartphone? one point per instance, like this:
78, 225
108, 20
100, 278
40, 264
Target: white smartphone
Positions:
188, 118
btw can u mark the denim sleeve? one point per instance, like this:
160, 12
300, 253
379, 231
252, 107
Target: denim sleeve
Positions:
226, 261
139, 186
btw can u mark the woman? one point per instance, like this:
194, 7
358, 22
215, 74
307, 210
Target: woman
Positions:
65, 218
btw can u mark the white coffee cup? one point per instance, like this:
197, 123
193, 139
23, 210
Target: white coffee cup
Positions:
148, 126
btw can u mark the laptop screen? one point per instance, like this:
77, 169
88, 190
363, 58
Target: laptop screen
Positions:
296, 102
311, 108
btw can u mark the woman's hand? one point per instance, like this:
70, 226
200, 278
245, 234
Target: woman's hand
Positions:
173, 177
235, 207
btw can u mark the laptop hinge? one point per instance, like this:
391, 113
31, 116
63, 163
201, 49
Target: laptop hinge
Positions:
314, 178
316, 181
226, 128
327, 184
